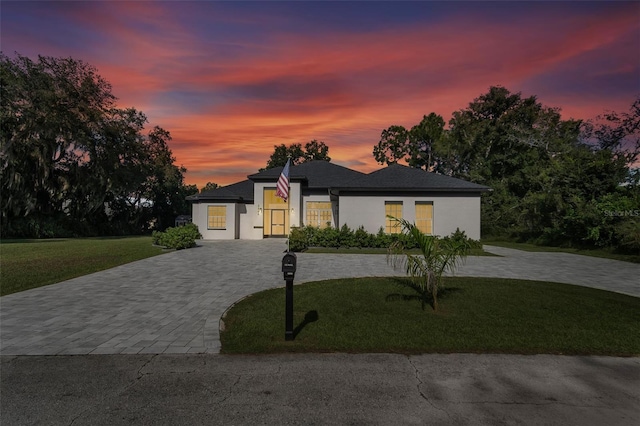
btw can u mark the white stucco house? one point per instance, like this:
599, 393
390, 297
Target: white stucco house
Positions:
326, 194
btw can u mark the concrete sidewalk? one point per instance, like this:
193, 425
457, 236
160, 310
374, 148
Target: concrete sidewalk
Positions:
172, 303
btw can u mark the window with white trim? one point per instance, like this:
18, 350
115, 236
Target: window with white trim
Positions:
424, 216
394, 209
217, 217
318, 214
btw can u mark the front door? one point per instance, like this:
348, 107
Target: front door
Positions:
276, 215
278, 225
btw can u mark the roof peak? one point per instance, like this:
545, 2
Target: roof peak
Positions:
321, 174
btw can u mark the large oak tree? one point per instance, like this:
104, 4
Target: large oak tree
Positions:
74, 163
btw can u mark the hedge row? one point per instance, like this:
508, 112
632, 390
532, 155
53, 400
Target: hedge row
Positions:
304, 237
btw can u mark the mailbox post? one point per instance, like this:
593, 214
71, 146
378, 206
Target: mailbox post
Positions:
289, 270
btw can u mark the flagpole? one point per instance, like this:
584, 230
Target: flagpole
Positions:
285, 193
289, 207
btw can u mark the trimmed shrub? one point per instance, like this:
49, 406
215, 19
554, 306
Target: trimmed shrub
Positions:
381, 239
178, 238
328, 237
362, 238
156, 237
346, 237
304, 237
460, 237
298, 239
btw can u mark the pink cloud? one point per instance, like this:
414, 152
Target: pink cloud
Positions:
228, 100
354, 113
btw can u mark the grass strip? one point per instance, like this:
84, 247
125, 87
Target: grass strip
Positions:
602, 253
476, 315
27, 264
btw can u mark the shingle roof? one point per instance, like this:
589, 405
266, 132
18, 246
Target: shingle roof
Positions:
402, 178
241, 191
317, 174
322, 174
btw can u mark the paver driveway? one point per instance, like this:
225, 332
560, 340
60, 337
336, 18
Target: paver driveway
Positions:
172, 303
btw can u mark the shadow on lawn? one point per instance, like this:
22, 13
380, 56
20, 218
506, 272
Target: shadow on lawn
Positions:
309, 317
421, 295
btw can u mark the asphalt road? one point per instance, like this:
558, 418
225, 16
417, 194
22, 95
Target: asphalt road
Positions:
320, 389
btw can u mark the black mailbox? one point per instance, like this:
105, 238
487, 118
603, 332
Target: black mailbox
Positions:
289, 266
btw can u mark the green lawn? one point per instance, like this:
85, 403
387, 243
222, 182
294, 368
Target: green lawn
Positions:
477, 315
26, 264
603, 253
355, 250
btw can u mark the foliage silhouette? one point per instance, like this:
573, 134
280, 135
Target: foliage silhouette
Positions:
436, 257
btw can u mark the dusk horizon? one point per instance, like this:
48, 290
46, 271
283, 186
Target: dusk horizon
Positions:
229, 80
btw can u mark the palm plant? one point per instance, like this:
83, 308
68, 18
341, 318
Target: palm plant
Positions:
425, 269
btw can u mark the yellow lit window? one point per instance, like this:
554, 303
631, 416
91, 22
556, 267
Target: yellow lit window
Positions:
424, 217
318, 214
273, 202
217, 217
394, 209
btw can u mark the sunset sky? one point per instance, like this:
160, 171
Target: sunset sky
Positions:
230, 80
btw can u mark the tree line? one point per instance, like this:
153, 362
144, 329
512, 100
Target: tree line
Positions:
555, 182
73, 164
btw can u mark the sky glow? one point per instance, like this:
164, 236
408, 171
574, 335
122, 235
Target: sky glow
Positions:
229, 80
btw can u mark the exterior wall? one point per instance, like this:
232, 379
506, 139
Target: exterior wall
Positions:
250, 223
245, 221
454, 212
450, 211
295, 202
367, 211
231, 231
196, 216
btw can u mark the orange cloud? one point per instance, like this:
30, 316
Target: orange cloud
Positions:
228, 96
350, 116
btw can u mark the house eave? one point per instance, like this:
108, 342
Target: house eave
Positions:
275, 179
200, 199
401, 189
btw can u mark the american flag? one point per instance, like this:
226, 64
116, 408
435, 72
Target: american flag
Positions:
282, 187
